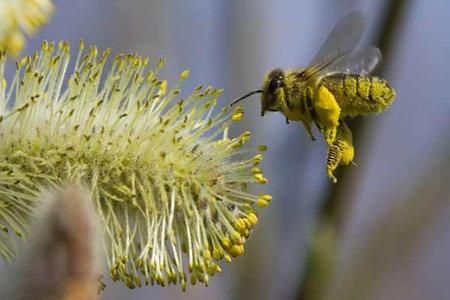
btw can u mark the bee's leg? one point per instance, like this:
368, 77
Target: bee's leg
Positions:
341, 151
329, 134
308, 110
345, 137
309, 129
311, 113
328, 113
333, 159
318, 126
287, 120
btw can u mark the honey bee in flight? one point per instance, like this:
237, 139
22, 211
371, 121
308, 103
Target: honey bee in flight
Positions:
337, 84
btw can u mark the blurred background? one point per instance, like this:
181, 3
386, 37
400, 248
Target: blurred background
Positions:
386, 223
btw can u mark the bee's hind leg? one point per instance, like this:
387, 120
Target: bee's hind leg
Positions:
341, 151
328, 113
333, 160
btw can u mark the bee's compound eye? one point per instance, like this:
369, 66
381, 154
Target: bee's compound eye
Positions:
274, 84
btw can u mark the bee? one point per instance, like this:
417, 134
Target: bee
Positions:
336, 85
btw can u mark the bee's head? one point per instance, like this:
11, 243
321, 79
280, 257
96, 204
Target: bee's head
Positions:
272, 95
271, 90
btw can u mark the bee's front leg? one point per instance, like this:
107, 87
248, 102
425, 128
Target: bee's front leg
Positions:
287, 120
308, 128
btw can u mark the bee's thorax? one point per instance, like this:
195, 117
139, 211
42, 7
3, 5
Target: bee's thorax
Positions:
296, 93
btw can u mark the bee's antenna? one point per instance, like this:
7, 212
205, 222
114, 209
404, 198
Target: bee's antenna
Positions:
246, 96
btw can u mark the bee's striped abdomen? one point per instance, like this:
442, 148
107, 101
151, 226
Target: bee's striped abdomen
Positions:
358, 94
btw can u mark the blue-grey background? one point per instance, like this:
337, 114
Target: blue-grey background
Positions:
403, 155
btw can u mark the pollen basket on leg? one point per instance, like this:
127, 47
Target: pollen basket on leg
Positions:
169, 184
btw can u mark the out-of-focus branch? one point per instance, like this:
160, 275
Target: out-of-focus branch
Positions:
62, 260
323, 248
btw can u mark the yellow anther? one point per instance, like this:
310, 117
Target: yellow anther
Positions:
245, 136
211, 270
226, 243
193, 279
93, 51
163, 88
247, 208
239, 225
81, 44
236, 237
161, 63
248, 225
184, 75
260, 178
199, 266
244, 223
257, 158
217, 254
266, 197
237, 116
252, 218
236, 250
137, 281
262, 148
25, 60
256, 170
262, 203
206, 255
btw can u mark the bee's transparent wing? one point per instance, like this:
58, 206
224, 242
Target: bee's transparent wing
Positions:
342, 40
361, 62
338, 46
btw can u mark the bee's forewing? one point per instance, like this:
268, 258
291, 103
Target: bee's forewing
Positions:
337, 54
342, 40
